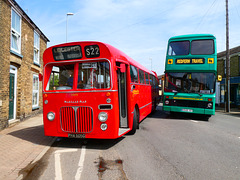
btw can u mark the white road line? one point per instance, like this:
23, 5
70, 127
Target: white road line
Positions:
58, 169
194, 121
80, 164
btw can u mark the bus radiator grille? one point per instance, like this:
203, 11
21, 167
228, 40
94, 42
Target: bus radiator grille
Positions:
76, 119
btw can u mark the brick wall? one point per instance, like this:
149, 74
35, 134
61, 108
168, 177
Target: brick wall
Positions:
220, 67
234, 66
25, 67
5, 18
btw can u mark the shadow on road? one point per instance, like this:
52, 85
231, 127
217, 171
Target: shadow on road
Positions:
101, 144
33, 134
159, 113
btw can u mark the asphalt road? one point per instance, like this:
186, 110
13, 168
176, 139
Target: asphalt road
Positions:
165, 147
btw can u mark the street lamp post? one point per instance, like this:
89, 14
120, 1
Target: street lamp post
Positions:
68, 14
151, 63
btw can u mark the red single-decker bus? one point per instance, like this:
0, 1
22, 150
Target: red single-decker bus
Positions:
93, 90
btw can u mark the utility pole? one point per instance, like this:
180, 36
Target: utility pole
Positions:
227, 62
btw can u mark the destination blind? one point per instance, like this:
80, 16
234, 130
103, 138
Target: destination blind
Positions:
67, 53
190, 61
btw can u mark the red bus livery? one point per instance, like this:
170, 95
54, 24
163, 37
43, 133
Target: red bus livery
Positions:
93, 90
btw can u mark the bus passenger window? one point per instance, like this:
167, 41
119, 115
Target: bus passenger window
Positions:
134, 74
141, 76
147, 78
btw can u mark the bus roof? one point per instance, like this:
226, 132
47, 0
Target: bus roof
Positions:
112, 52
188, 36
116, 52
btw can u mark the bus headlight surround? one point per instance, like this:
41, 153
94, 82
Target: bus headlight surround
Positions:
51, 116
102, 116
103, 126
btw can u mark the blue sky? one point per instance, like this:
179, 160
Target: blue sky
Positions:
140, 28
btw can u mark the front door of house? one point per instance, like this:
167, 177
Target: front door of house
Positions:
11, 95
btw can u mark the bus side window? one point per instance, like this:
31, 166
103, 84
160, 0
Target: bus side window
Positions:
141, 76
147, 78
134, 74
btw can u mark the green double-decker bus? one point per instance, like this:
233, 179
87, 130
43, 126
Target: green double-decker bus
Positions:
190, 74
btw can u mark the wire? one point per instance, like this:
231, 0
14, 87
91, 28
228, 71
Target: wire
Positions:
149, 18
205, 15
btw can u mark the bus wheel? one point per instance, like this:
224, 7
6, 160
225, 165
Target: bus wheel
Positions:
206, 117
135, 123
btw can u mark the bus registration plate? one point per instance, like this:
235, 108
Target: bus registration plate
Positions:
187, 110
76, 135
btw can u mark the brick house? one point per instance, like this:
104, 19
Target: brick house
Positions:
234, 76
22, 45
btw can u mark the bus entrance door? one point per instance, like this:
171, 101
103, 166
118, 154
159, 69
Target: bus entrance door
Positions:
122, 93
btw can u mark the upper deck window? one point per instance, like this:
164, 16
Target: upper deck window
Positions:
178, 48
16, 32
200, 47
36, 52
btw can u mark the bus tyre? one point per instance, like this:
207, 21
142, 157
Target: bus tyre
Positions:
135, 123
206, 117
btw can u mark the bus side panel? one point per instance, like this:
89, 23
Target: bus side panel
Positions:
145, 103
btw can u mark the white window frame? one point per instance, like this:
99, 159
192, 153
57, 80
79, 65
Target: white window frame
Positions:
36, 48
35, 91
15, 33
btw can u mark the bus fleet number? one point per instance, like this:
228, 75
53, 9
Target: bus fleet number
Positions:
92, 51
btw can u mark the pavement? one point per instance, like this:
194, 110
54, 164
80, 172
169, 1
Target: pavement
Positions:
24, 143
21, 145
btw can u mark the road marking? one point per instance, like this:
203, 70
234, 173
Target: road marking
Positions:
58, 169
194, 121
80, 164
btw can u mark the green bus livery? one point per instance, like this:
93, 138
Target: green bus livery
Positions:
190, 74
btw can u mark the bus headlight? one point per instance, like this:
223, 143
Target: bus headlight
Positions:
102, 116
209, 105
103, 126
167, 102
51, 116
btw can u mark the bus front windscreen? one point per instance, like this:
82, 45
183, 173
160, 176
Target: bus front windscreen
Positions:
201, 83
90, 75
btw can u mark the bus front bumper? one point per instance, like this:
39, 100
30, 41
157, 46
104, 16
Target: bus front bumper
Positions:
189, 110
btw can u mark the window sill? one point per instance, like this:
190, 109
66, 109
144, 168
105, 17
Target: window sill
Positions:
17, 54
37, 64
35, 108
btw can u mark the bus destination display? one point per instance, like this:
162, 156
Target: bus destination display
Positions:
92, 51
190, 61
67, 53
